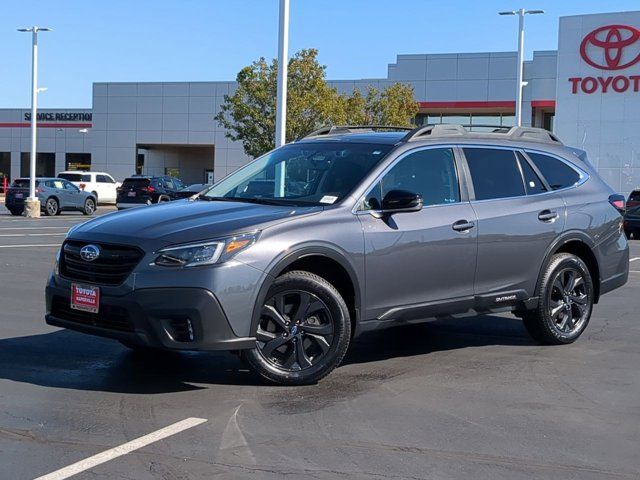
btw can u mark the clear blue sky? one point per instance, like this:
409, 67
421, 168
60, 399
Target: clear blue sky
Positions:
199, 40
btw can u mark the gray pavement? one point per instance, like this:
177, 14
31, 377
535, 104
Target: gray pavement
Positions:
472, 398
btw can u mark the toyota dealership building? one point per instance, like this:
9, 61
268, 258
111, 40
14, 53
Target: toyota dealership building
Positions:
587, 92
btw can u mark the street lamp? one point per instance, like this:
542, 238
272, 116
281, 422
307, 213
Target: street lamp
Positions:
32, 206
519, 82
281, 93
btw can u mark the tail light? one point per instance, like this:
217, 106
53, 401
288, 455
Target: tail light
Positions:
119, 189
82, 185
148, 189
618, 202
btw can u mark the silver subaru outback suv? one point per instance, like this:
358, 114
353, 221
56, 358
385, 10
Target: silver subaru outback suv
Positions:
347, 230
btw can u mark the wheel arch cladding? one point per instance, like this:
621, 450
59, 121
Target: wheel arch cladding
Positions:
324, 263
580, 249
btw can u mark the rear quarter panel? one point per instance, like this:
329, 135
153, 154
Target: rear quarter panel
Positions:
589, 211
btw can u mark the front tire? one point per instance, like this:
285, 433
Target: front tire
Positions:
51, 207
303, 332
565, 302
89, 206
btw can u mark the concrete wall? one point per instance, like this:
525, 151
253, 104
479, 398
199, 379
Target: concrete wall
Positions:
129, 114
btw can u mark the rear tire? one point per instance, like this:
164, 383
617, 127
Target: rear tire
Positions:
303, 332
51, 207
628, 233
565, 302
15, 212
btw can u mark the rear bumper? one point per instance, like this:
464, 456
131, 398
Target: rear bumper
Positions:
122, 205
167, 318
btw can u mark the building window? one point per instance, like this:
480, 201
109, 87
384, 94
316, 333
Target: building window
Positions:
78, 161
474, 121
5, 168
139, 164
45, 164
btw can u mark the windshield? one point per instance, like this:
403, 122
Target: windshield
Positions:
303, 173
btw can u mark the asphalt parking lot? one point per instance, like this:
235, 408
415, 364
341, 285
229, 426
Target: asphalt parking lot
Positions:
472, 398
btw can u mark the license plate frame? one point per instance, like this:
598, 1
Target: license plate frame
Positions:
19, 195
85, 298
131, 194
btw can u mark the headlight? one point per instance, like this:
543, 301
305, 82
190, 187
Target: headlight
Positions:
204, 253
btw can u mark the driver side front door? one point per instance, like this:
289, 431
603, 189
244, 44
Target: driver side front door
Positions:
423, 263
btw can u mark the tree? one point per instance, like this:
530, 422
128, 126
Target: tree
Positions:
249, 113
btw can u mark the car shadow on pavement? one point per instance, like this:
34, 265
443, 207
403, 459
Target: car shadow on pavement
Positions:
66, 359
437, 335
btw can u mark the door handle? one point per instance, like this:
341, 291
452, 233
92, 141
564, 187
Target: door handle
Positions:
463, 226
547, 216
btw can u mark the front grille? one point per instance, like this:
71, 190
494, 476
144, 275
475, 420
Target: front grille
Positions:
109, 317
112, 267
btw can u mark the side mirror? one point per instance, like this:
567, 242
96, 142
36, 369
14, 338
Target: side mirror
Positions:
396, 201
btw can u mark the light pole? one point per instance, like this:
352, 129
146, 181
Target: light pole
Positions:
281, 95
32, 205
519, 81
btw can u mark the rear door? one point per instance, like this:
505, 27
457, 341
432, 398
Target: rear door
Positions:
519, 217
74, 196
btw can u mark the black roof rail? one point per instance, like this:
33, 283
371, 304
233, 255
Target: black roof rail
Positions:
337, 129
532, 134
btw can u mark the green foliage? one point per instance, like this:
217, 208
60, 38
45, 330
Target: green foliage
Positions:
249, 113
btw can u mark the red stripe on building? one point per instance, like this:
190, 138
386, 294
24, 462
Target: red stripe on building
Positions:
44, 125
491, 104
543, 103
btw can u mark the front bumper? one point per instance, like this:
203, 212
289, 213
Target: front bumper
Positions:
168, 318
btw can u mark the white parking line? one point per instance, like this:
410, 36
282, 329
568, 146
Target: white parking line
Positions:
31, 246
121, 450
634, 259
31, 234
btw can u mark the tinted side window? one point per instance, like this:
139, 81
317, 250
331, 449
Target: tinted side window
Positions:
495, 173
431, 173
103, 179
557, 173
532, 182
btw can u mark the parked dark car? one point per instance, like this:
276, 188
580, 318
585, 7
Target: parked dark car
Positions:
632, 215
142, 190
365, 230
55, 195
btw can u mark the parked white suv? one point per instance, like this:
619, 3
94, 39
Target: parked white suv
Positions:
100, 184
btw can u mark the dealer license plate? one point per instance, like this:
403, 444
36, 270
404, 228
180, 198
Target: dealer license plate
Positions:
132, 194
19, 195
85, 298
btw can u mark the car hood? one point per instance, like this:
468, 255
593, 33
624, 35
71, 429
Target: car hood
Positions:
184, 221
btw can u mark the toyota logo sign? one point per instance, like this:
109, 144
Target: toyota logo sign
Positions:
612, 47
89, 253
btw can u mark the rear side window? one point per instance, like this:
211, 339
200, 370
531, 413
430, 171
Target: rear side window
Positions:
558, 174
75, 177
532, 181
135, 182
494, 173
104, 179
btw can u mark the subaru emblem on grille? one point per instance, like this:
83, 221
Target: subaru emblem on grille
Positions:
89, 253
